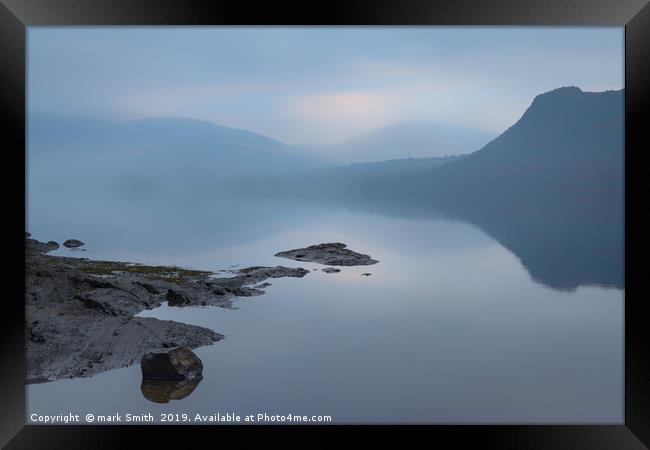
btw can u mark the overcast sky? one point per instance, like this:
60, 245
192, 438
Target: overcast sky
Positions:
315, 84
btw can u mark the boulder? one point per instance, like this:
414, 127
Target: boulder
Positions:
331, 270
176, 363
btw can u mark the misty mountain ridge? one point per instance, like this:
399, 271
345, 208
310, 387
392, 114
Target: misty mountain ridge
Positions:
567, 140
414, 139
81, 159
63, 136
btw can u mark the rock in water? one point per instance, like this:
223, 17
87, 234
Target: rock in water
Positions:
73, 243
176, 363
331, 270
331, 254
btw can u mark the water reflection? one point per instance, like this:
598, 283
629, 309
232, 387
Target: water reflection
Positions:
449, 327
564, 241
162, 391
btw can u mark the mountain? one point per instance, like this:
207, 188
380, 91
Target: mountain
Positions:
225, 150
414, 139
567, 140
156, 157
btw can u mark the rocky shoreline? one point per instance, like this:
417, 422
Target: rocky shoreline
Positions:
81, 313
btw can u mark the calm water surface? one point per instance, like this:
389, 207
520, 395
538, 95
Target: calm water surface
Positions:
449, 328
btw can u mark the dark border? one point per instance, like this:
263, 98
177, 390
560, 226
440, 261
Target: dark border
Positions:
15, 15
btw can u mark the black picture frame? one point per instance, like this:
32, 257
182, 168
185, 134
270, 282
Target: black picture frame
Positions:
16, 15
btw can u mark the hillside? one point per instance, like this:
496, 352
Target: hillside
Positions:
567, 140
77, 158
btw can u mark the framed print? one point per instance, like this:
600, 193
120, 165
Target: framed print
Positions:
390, 218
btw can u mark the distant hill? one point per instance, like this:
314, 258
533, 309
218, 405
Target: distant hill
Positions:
178, 140
414, 139
157, 157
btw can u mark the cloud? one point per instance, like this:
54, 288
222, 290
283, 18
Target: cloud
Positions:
334, 116
340, 106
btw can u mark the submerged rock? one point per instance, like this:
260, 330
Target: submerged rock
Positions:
246, 292
162, 391
257, 274
176, 363
331, 270
73, 243
331, 254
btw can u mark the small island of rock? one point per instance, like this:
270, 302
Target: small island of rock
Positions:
331, 254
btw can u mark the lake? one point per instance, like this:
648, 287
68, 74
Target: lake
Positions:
449, 328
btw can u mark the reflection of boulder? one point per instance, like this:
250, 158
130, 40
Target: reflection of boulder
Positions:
176, 363
162, 391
